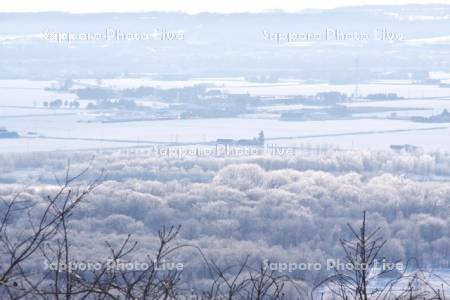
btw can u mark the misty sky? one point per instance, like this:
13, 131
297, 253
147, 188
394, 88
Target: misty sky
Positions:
191, 6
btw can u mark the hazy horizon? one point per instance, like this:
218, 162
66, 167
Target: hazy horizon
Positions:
194, 7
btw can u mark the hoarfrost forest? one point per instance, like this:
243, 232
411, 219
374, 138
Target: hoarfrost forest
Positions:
260, 209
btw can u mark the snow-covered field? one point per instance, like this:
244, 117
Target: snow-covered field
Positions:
29, 93
67, 129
